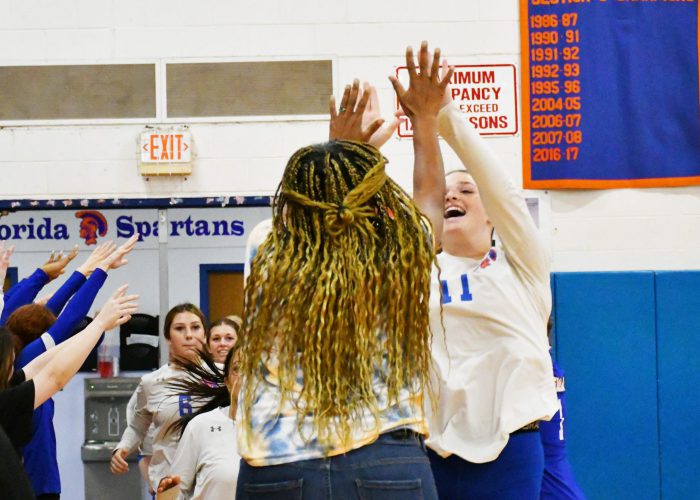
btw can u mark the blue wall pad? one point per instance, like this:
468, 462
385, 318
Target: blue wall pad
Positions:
678, 336
607, 346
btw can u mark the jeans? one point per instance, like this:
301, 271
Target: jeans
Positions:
394, 467
515, 475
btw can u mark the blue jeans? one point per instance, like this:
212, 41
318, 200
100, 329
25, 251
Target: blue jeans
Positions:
394, 467
515, 475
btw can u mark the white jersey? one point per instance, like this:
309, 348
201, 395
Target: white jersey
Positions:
255, 239
207, 460
493, 371
157, 405
146, 447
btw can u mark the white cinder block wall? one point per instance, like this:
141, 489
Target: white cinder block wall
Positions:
588, 230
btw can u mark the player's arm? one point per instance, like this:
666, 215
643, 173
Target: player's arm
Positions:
421, 103
503, 200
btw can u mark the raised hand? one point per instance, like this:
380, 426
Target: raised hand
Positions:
5, 254
347, 122
56, 265
100, 253
447, 95
421, 103
117, 258
426, 89
372, 114
117, 310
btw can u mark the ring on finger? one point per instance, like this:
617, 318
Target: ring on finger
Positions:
341, 109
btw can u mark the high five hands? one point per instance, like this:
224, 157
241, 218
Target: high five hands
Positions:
349, 122
358, 118
426, 93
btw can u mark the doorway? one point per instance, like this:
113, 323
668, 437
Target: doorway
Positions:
221, 290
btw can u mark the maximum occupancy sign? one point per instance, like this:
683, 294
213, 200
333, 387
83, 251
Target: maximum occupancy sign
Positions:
610, 93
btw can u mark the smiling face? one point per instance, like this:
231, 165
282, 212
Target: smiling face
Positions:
186, 335
221, 340
466, 227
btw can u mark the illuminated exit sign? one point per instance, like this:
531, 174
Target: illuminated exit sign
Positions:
166, 146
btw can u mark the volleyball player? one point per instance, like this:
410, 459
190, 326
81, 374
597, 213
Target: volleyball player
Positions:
335, 345
493, 373
155, 404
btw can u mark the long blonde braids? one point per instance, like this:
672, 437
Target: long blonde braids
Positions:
339, 289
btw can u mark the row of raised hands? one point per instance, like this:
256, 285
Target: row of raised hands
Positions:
51, 370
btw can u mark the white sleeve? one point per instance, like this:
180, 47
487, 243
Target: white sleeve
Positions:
146, 448
503, 201
138, 418
131, 408
49, 342
186, 459
255, 239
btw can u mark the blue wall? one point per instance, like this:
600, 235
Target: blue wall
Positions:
627, 343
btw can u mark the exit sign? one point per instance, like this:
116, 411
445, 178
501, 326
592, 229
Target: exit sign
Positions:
166, 146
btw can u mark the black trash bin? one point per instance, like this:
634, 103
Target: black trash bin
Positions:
138, 343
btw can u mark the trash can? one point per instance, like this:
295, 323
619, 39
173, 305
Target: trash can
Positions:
105, 421
139, 342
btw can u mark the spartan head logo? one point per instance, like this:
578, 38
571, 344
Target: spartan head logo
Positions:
92, 223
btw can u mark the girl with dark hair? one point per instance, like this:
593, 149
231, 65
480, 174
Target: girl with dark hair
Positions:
335, 347
14, 482
206, 463
155, 403
221, 337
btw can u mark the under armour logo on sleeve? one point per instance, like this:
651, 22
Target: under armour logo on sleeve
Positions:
218, 428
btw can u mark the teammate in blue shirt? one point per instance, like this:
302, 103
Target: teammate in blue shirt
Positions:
40, 453
26, 290
558, 482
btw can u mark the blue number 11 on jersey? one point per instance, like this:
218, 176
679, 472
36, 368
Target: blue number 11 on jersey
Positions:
466, 294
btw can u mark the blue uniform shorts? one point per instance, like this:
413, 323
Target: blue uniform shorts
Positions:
515, 475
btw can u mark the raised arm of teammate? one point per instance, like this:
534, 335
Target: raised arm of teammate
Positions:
421, 103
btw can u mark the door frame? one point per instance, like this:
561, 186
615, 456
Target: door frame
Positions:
204, 271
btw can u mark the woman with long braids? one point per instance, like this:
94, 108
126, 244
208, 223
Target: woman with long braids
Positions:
335, 344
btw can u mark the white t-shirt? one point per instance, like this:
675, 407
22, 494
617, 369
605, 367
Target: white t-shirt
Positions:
493, 370
157, 405
207, 460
